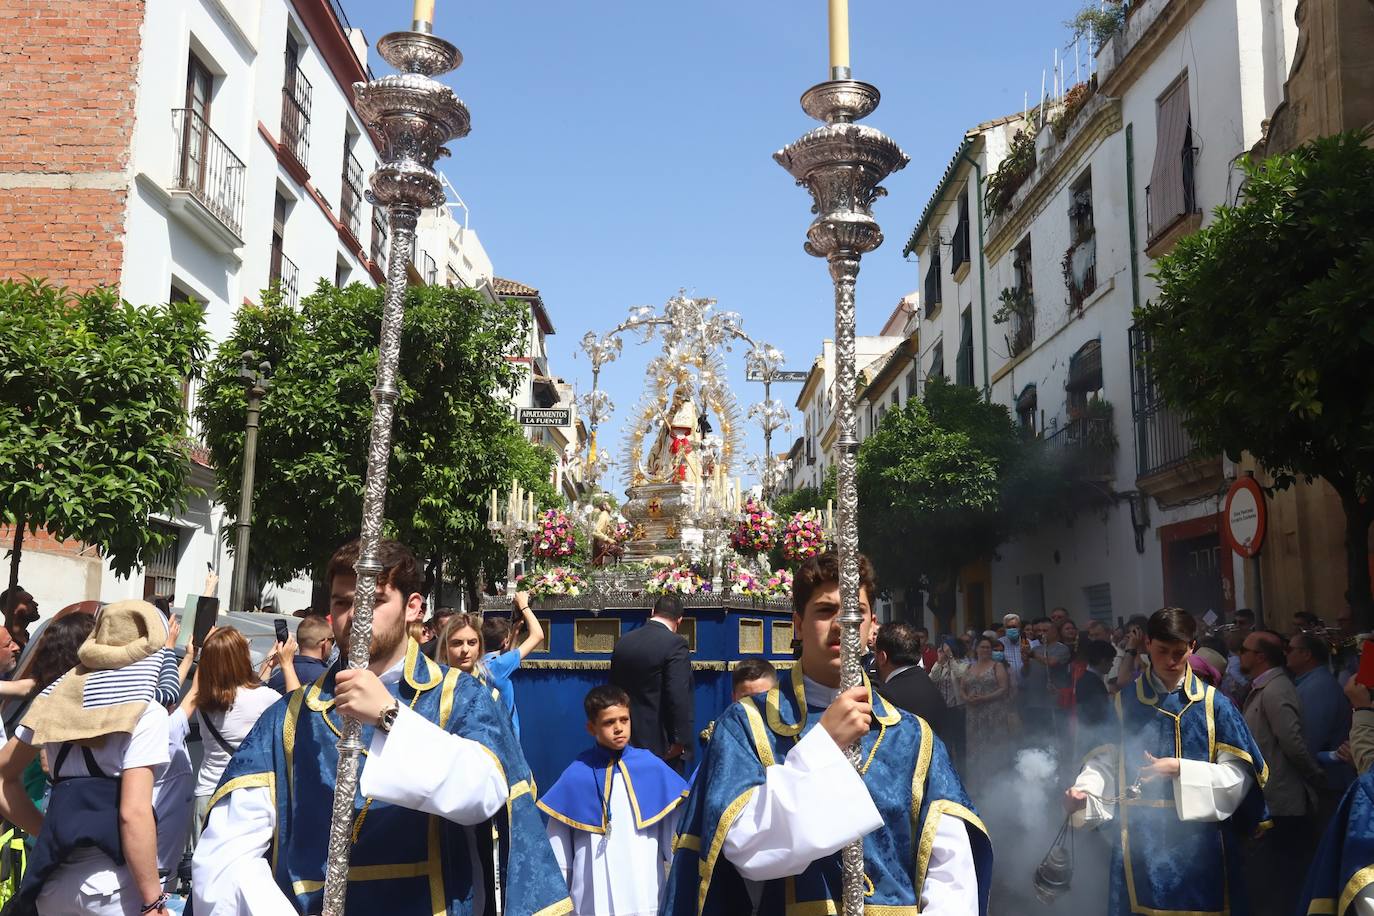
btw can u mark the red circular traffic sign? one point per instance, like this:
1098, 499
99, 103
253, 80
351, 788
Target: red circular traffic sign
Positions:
1244, 517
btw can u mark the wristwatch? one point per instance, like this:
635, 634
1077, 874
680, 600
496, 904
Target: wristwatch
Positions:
387, 718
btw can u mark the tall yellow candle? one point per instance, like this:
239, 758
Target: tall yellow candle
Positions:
839, 34
424, 11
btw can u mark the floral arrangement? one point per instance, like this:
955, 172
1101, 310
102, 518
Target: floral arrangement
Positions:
803, 536
547, 583
623, 532
676, 580
778, 584
757, 529
554, 538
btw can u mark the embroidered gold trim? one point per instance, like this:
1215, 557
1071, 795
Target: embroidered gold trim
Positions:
708, 864
761, 744
248, 781
773, 705
939, 808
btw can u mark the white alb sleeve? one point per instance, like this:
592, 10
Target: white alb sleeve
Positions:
786, 826
1098, 780
230, 875
1211, 791
456, 778
951, 887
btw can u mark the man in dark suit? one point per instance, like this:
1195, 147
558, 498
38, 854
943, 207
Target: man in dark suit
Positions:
652, 664
903, 682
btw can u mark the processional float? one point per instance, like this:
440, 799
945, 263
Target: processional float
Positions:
414, 115
841, 164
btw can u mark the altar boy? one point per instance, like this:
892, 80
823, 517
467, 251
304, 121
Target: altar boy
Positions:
612, 815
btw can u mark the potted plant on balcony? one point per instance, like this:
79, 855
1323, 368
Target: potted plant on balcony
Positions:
1018, 303
1013, 171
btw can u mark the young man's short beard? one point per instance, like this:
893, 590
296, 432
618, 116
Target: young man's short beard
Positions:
384, 641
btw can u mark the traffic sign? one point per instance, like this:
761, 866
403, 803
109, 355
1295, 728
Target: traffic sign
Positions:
1244, 517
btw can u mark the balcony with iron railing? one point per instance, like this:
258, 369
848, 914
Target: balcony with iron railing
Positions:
1087, 446
207, 171
295, 115
351, 195
1159, 220
1168, 463
431, 273
283, 273
377, 251
960, 245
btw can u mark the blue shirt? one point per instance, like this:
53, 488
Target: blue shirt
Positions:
1325, 710
308, 671
500, 666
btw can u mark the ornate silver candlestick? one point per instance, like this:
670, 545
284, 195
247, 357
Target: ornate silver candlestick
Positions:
415, 116
841, 163
514, 532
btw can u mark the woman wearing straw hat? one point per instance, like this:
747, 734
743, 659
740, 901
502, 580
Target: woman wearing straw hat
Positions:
105, 737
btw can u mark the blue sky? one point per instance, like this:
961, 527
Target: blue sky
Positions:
622, 150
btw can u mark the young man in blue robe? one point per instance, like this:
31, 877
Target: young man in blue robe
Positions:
1341, 879
1181, 776
613, 814
775, 799
444, 793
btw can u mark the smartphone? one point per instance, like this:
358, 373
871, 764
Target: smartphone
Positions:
1365, 675
206, 613
283, 632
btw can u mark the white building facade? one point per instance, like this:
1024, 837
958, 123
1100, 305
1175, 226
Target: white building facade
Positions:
1181, 94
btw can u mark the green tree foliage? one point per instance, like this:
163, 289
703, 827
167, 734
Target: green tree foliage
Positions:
942, 482
454, 438
806, 497
1263, 331
92, 422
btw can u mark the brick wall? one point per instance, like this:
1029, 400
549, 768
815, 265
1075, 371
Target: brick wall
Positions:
67, 103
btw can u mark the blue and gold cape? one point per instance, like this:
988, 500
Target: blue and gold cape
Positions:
404, 862
906, 770
1344, 865
1162, 866
581, 797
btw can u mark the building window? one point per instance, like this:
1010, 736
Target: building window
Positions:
204, 165
160, 574
937, 360
1080, 261
911, 384
961, 234
1161, 441
1170, 194
351, 189
963, 362
1099, 598
379, 234
340, 274
1085, 378
896, 398
1021, 321
281, 271
1027, 403
933, 288
295, 105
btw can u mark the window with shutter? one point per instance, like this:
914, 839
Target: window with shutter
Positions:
1170, 192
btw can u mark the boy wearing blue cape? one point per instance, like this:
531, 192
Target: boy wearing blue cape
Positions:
775, 799
1180, 781
444, 819
612, 815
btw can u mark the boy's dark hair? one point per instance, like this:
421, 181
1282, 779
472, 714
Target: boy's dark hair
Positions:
1099, 651
603, 697
824, 569
900, 643
668, 607
495, 629
400, 569
1172, 624
751, 669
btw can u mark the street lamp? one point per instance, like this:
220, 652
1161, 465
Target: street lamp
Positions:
255, 380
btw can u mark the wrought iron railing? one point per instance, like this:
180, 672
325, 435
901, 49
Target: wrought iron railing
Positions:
1189, 196
1089, 443
377, 252
295, 115
351, 196
207, 168
286, 276
431, 270
1161, 440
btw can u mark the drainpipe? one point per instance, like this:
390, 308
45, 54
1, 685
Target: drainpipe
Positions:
982, 274
1130, 214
